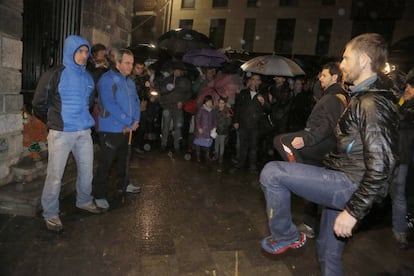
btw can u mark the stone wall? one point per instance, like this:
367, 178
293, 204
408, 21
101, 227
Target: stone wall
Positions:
107, 22
11, 101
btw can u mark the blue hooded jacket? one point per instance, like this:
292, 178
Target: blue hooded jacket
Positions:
75, 90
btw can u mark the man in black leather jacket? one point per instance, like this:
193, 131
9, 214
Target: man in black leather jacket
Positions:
357, 174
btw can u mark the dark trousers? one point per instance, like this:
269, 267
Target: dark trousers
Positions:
248, 147
312, 155
113, 146
307, 155
139, 134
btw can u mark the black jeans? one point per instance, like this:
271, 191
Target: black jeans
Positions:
114, 146
248, 147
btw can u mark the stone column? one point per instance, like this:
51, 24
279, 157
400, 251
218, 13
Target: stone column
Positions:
11, 101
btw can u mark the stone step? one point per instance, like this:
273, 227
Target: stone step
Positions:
23, 197
27, 169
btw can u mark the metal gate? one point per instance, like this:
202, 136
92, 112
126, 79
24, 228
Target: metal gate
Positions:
46, 24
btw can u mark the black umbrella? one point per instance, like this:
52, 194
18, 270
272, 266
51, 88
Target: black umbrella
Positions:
178, 42
169, 65
149, 52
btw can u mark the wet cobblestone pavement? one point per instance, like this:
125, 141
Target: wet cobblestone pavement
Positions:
189, 219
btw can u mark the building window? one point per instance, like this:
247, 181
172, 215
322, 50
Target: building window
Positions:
186, 24
217, 29
248, 35
285, 33
328, 2
220, 3
187, 4
288, 2
252, 3
324, 36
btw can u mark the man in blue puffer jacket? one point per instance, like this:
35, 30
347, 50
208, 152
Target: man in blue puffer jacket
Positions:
120, 114
62, 100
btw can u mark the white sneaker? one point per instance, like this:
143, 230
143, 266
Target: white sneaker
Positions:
54, 224
133, 189
90, 207
102, 203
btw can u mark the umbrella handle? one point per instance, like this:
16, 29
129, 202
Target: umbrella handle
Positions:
130, 138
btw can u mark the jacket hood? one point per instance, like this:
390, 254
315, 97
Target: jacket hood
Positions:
72, 44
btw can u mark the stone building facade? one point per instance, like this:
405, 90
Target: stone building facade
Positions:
108, 22
11, 48
328, 23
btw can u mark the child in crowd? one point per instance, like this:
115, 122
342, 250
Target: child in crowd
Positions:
205, 122
223, 121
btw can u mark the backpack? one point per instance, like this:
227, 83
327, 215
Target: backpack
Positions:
46, 88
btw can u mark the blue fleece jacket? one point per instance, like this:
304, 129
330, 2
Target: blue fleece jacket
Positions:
119, 102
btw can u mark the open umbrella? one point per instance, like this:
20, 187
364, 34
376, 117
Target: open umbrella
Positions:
168, 66
223, 85
273, 65
178, 42
146, 52
205, 57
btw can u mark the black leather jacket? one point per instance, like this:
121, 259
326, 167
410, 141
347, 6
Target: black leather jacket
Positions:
367, 144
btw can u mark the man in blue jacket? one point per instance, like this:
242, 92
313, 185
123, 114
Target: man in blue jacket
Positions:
120, 114
62, 100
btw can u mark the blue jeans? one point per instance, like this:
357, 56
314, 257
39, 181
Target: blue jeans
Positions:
399, 201
60, 144
328, 188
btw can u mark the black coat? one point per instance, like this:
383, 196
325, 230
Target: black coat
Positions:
367, 145
249, 112
181, 91
324, 116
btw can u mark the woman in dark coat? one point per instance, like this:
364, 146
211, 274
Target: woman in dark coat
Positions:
205, 121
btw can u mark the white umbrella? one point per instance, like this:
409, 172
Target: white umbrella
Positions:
273, 65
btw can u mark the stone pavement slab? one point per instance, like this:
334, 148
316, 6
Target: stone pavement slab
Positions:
188, 219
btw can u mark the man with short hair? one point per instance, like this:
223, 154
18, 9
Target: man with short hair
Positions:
62, 100
250, 108
357, 174
119, 115
310, 145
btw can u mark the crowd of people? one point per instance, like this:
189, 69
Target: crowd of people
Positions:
338, 151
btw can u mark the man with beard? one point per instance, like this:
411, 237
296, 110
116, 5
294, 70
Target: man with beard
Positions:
356, 175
